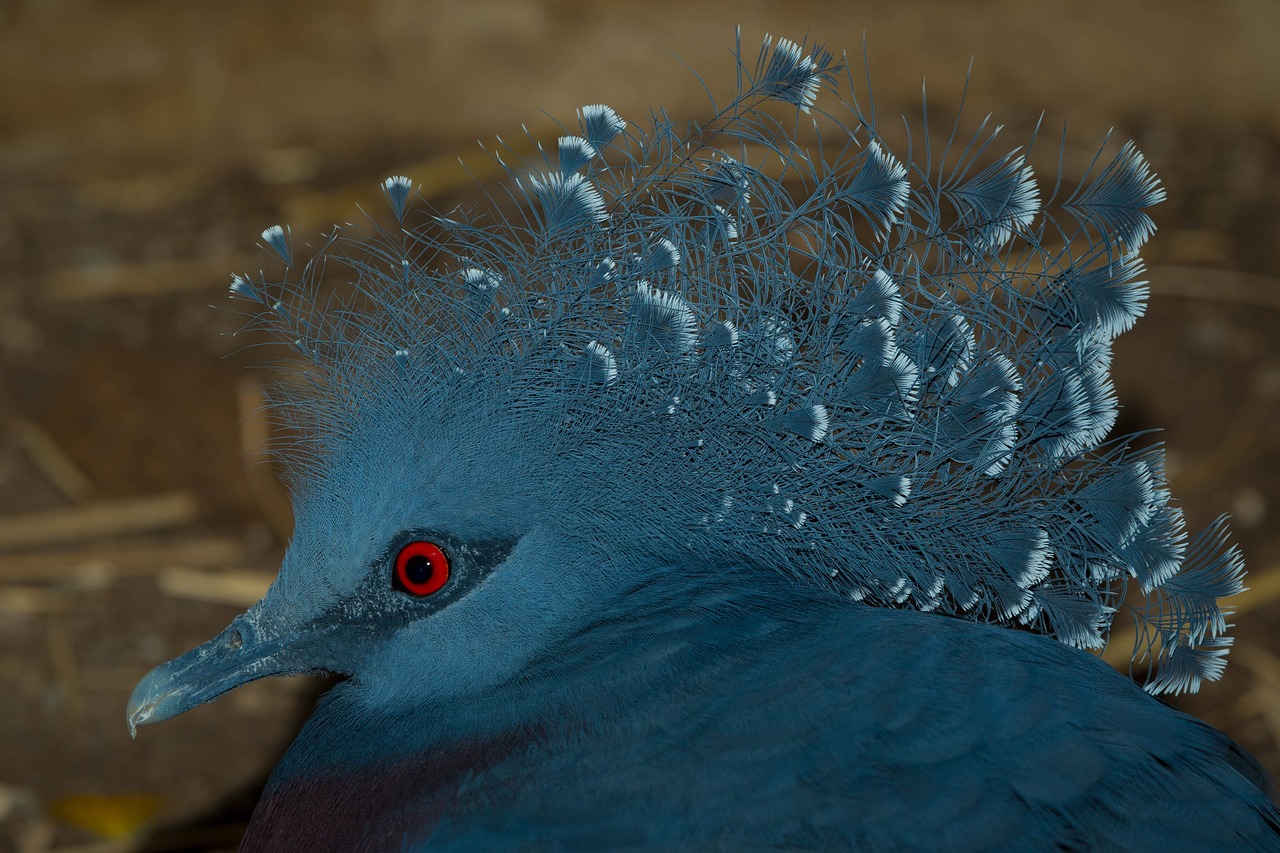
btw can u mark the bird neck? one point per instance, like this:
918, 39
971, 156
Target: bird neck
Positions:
572, 673
409, 763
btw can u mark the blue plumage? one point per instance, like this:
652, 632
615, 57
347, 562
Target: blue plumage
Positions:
620, 516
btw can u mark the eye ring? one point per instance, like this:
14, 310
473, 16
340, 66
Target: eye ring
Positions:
422, 569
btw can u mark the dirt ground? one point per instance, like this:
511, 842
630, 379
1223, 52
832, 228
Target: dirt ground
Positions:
144, 145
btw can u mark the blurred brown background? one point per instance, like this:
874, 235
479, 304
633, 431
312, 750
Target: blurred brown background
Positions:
144, 145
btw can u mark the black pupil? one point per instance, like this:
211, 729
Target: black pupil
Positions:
417, 569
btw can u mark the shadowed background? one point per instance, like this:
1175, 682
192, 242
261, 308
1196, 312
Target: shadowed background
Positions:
145, 145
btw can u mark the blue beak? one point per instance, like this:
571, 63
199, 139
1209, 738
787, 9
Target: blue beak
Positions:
234, 657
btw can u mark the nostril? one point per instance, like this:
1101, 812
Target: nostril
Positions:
234, 640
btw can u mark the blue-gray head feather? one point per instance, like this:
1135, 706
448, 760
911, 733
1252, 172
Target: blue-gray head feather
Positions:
887, 378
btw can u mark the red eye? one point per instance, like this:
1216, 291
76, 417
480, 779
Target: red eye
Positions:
421, 568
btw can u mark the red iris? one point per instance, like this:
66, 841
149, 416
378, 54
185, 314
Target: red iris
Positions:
421, 568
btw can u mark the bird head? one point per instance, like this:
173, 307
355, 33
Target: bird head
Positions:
677, 362
411, 553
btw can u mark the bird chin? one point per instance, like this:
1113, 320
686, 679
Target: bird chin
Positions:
205, 673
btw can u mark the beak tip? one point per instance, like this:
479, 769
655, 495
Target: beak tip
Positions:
134, 716
147, 704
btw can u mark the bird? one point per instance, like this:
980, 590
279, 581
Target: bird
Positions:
738, 484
